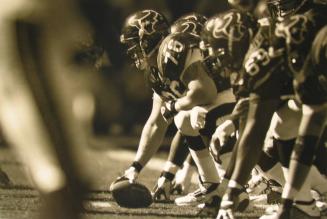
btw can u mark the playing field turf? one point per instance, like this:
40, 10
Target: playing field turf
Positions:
21, 201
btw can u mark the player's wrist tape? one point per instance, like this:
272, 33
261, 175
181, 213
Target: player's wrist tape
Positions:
167, 175
170, 110
138, 167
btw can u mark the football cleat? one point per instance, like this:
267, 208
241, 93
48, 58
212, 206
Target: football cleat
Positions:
270, 188
182, 181
289, 211
204, 194
210, 209
274, 192
321, 201
178, 189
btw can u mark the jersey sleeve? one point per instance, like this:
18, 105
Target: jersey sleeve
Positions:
311, 83
263, 70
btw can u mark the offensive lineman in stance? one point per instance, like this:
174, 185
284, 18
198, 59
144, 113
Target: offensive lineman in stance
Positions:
142, 34
267, 68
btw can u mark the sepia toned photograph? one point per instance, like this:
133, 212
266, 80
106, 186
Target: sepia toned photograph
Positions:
123, 109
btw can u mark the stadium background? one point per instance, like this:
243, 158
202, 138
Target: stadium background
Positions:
124, 101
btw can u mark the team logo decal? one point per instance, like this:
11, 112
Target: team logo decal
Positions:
222, 27
143, 22
295, 30
189, 26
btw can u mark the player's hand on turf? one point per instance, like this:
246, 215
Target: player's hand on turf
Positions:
162, 190
225, 214
220, 136
131, 174
168, 111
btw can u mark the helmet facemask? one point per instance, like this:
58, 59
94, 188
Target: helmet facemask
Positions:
279, 9
215, 59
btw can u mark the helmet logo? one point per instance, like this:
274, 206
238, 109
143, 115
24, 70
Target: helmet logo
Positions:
146, 22
294, 31
189, 25
191, 17
223, 27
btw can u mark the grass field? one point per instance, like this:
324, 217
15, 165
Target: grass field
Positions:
102, 166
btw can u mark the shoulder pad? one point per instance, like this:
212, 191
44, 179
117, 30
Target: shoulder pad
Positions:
173, 54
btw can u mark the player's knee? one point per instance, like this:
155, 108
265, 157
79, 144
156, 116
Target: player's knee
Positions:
266, 162
183, 124
195, 143
284, 148
304, 149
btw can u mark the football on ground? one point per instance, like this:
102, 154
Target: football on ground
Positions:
130, 194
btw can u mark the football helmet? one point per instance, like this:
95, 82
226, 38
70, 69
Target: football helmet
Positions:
284, 8
225, 41
191, 23
244, 5
142, 33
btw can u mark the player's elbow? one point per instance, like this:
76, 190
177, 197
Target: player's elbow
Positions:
206, 94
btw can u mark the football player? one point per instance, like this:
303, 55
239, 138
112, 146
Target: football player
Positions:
181, 70
269, 65
230, 31
190, 23
310, 86
142, 34
225, 40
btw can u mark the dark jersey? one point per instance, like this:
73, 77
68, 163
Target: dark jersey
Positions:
260, 67
311, 82
176, 53
166, 89
270, 67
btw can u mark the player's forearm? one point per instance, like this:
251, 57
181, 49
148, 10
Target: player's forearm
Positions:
151, 139
194, 98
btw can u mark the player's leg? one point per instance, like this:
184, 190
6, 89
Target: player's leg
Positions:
199, 151
183, 176
311, 127
177, 154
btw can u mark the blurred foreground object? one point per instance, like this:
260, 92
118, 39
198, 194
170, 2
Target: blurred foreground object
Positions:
42, 98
